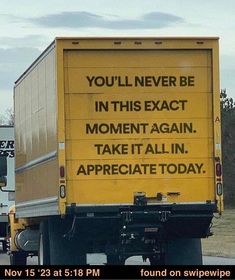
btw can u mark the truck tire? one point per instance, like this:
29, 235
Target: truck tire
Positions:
183, 251
18, 258
4, 246
114, 259
154, 260
44, 251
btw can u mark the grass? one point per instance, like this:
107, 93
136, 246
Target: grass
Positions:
222, 243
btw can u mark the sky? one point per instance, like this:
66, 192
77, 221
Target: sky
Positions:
27, 27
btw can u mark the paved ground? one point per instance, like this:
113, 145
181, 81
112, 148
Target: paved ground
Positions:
222, 243
100, 259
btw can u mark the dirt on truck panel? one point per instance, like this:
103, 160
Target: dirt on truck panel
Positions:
121, 130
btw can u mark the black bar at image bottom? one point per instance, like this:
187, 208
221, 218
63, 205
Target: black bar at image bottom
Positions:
117, 272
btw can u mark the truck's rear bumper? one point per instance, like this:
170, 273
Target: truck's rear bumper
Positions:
169, 221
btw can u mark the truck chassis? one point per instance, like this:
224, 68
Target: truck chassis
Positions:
167, 234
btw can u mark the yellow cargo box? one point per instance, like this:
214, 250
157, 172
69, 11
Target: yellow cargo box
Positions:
101, 121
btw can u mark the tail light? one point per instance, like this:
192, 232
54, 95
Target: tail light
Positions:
218, 169
219, 189
62, 191
62, 172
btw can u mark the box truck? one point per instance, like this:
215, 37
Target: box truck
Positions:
118, 150
7, 182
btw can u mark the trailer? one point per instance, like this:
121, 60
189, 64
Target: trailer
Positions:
7, 198
118, 151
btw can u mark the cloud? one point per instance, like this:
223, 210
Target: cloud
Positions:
10, 18
13, 62
81, 19
29, 41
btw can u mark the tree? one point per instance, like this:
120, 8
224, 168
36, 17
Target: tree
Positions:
228, 143
8, 118
227, 104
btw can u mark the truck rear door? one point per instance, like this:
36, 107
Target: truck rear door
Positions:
139, 120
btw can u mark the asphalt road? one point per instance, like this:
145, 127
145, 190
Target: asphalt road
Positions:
101, 259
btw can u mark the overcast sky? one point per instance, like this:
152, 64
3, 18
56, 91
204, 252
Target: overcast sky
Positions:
27, 27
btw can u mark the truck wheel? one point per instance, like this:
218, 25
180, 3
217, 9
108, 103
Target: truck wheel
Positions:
44, 246
114, 259
18, 258
4, 246
156, 260
185, 251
